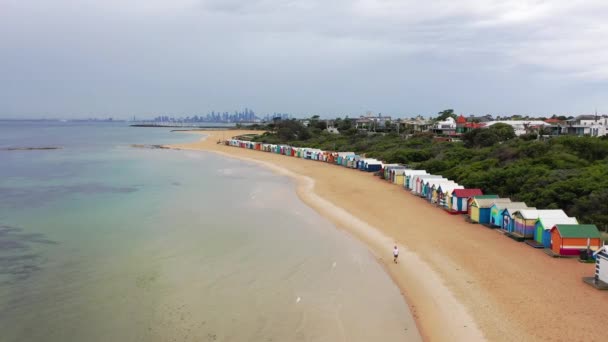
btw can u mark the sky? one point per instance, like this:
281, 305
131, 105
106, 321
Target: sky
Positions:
125, 58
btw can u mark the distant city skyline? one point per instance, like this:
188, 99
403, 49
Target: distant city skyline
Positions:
66, 59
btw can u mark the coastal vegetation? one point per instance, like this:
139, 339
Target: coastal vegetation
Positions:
565, 172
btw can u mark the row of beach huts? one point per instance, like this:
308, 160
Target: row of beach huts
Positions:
549, 229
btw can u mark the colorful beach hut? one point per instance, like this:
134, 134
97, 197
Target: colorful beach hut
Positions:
394, 174
420, 180
480, 208
444, 192
569, 239
390, 167
525, 220
459, 202
497, 211
542, 230
399, 177
409, 175
433, 187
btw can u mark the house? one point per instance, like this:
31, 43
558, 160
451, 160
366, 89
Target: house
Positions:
542, 230
480, 208
497, 212
569, 239
591, 125
525, 220
520, 127
446, 127
372, 122
463, 125
415, 125
458, 202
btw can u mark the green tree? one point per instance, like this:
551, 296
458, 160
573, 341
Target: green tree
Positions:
444, 114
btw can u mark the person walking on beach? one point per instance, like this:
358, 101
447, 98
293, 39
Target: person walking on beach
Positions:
395, 254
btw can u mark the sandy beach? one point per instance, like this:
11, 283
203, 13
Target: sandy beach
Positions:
461, 281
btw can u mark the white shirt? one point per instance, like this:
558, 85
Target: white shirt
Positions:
396, 251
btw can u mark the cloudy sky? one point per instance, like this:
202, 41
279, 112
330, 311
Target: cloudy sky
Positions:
74, 58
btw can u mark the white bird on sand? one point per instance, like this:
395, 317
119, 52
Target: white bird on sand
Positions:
334, 265
298, 300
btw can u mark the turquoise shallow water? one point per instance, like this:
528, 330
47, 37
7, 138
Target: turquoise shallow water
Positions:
103, 242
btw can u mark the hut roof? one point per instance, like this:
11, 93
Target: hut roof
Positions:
528, 214
510, 205
549, 222
488, 202
450, 186
577, 230
439, 182
468, 192
414, 172
511, 211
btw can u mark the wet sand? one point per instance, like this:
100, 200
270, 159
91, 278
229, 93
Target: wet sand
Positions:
461, 281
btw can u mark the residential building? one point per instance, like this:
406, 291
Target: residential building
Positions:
591, 125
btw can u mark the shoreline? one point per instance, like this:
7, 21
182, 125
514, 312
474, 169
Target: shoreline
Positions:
456, 322
451, 271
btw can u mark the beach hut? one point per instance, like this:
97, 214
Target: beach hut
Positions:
600, 278
399, 177
386, 169
444, 192
392, 171
569, 239
374, 166
525, 220
480, 208
459, 201
542, 229
419, 181
394, 174
409, 175
351, 161
432, 187
497, 210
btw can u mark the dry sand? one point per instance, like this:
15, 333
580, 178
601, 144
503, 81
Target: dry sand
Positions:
462, 281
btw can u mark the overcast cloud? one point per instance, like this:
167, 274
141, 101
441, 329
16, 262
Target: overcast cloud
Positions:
122, 58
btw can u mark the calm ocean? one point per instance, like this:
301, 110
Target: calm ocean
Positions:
100, 241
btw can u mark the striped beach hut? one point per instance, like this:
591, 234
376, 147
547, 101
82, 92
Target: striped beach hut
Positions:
395, 174
388, 168
480, 208
497, 211
569, 239
525, 220
430, 185
459, 202
434, 186
542, 230
420, 180
508, 219
444, 192
409, 175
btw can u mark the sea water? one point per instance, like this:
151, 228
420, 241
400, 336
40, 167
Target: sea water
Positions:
101, 241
